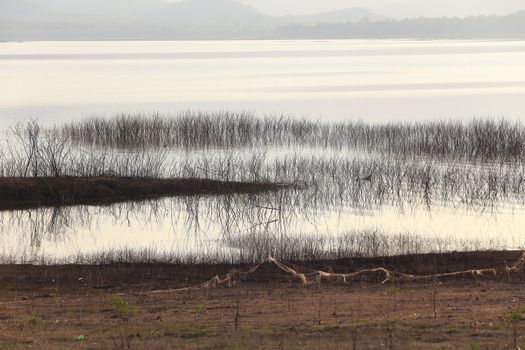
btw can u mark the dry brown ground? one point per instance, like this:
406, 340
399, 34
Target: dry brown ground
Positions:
50, 307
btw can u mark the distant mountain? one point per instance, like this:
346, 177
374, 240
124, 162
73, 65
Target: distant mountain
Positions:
149, 19
510, 26
216, 12
221, 19
352, 15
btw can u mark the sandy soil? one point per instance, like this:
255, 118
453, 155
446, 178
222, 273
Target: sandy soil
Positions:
127, 306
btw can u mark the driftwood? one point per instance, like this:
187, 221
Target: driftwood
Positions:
318, 276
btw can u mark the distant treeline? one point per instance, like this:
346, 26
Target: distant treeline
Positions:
510, 26
182, 24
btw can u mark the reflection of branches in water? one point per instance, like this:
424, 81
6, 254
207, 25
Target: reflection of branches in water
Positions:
59, 221
146, 212
337, 180
44, 223
252, 248
399, 166
333, 187
333, 179
248, 227
371, 243
201, 219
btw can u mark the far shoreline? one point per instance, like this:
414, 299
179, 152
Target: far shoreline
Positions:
268, 39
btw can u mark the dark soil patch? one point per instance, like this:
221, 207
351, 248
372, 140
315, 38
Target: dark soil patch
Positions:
72, 307
34, 192
149, 276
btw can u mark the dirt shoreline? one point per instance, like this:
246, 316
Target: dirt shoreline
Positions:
164, 275
32, 192
124, 306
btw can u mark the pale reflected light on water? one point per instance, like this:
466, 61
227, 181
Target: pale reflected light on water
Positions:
466, 206
375, 80
203, 228
409, 205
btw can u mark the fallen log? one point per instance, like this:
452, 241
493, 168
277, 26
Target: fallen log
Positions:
318, 276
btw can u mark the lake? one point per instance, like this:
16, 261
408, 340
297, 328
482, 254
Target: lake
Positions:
470, 205
372, 80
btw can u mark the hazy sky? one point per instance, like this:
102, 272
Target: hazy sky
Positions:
389, 8
392, 7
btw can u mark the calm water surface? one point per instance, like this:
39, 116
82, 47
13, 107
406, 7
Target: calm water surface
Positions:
374, 81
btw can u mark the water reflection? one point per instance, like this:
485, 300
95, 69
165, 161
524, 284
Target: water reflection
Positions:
345, 202
473, 78
412, 202
246, 228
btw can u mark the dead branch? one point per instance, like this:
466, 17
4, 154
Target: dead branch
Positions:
318, 276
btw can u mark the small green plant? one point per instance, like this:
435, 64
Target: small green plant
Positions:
124, 309
30, 321
125, 312
474, 346
199, 308
514, 317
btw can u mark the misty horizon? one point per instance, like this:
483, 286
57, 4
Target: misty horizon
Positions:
244, 19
